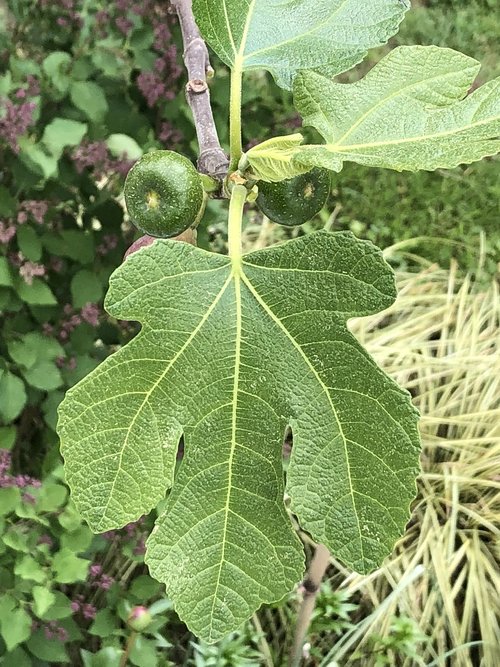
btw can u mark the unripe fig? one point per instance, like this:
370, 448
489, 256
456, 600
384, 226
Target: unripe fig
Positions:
164, 194
296, 200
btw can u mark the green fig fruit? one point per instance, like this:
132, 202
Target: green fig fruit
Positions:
296, 200
164, 194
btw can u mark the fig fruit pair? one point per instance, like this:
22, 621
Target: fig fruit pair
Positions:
164, 195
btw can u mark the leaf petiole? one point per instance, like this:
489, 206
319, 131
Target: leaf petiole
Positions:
235, 145
238, 198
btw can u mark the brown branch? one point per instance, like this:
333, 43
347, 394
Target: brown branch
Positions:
310, 587
212, 160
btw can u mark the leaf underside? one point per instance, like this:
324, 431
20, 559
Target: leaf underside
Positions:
409, 112
229, 357
285, 36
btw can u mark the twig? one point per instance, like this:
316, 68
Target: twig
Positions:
310, 585
128, 648
212, 160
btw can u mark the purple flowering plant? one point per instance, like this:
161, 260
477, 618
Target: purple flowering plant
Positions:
62, 589
85, 89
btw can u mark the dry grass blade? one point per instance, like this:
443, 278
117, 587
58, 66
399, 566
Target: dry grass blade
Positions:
440, 340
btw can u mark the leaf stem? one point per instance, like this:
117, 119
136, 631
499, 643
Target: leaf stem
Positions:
238, 198
235, 144
130, 645
311, 584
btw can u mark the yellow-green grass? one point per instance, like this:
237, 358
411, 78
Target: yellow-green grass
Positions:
441, 341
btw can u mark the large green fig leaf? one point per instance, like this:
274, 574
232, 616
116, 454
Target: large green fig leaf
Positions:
229, 354
285, 36
407, 113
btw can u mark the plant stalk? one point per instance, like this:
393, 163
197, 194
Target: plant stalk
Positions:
310, 585
236, 147
238, 198
128, 649
212, 159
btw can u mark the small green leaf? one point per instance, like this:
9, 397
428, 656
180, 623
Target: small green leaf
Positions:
33, 347
29, 243
61, 133
49, 650
78, 540
60, 608
329, 36
43, 599
68, 568
86, 287
12, 396
105, 624
272, 160
52, 496
122, 144
37, 159
90, 99
8, 436
16, 628
56, 66
44, 375
9, 500
28, 568
36, 294
70, 519
16, 540
76, 245
5, 273
410, 112
144, 588
16, 658
143, 653
106, 657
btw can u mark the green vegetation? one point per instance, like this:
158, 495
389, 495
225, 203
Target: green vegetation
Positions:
85, 88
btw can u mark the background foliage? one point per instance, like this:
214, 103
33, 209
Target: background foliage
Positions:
85, 88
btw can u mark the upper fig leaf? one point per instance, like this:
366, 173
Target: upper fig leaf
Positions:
285, 36
409, 112
230, 354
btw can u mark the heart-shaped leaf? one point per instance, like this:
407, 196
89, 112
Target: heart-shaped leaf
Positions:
408, 113
230, 353
285, 36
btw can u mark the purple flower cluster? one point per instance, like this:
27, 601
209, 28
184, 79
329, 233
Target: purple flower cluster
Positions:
109, 243
7, 232
79, 606
169, 134
133, 531
7, 480
30, 208
36, 208
99, 579
63, 362
94, 155
89, 313
158, 85
51, 630
66, 11
29, 270
15, 119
